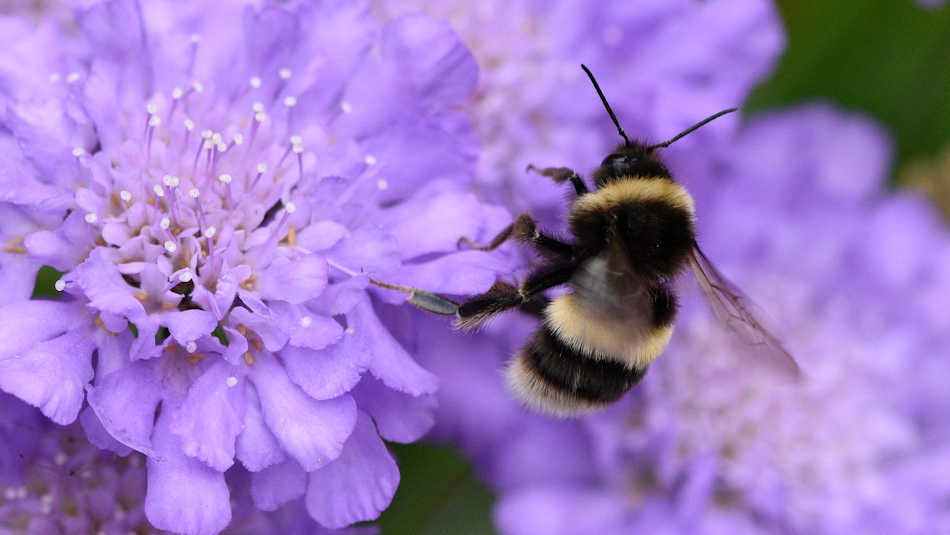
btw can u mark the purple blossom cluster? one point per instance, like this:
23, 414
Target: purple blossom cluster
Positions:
216, 184
792, 205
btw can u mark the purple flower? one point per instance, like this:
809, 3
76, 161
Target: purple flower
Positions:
216, 183
795, 210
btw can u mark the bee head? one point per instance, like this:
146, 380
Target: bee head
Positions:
629, 161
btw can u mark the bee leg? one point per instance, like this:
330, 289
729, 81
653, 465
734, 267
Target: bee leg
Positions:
560, 174
524, 229
503, 296
535, 307
422, 299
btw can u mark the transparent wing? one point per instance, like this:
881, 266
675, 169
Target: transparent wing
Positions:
741, 316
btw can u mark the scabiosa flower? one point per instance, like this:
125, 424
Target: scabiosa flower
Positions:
794, 210
216, 184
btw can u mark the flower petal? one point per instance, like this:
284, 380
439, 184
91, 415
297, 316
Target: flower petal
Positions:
306, 329
294, 281
98, 435
26, 323
103, 285
189, 325
321, 235
328, 373
125, 402
389, 362
398, 416
358, 485
211, 416
434, 224
276, 485
184, 495
311, 431
52, 374
257, 448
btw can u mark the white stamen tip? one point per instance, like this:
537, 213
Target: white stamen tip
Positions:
191, 346
165, 223
257, 107
173, 183
290, 207
60, 458
189, 125
195, 38
177, 93
194, 193
185, 276
261, 167
151, 108
73, 77
207, 145
198, 86
79, 151
216, 138
60, 285
345, 106
284, 74
224, 178
125, 195
306, 321
91, 217
222, 146
290, 102
207, 134
154, 120
210, 232
260, 117
370, 159
238, 139
349, 330
382, 183
298, 149
158, 190
231, 381
167, 180
170, 246
296, 140
255, 82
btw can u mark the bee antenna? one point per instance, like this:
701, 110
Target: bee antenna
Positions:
690, 129
604, 100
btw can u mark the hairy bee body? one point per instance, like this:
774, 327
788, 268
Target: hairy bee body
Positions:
630, 238
597, 341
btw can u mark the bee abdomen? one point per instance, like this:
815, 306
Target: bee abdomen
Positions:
552, 376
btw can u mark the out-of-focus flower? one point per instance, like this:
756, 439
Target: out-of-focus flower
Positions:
215, 183
58, 482
795, 210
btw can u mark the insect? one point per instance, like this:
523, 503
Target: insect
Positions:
629, 238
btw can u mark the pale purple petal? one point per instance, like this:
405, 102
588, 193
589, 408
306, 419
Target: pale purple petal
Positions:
358, 485
51, 375
125, 402
184, 495
398, 416
98, 435
103, 285
24, 324
276, 485
189, 325
328, 373
388, 360
294, 281
257, 448
211, 416
315, 433
321, 235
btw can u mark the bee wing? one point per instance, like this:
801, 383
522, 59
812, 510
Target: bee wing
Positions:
741, 316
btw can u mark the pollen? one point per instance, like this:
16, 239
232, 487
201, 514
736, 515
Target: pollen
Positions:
60, 285
125, 195
248, 358
382, 184
170, 246
370, 159
79, 151
255, 82
191, 346
231, 381
285, 73
91, 218
346, 107
141, 296
185, 276
290, 102
306, 321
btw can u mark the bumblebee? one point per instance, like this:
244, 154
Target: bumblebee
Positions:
630, 237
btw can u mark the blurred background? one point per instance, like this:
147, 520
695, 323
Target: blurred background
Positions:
888, 60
